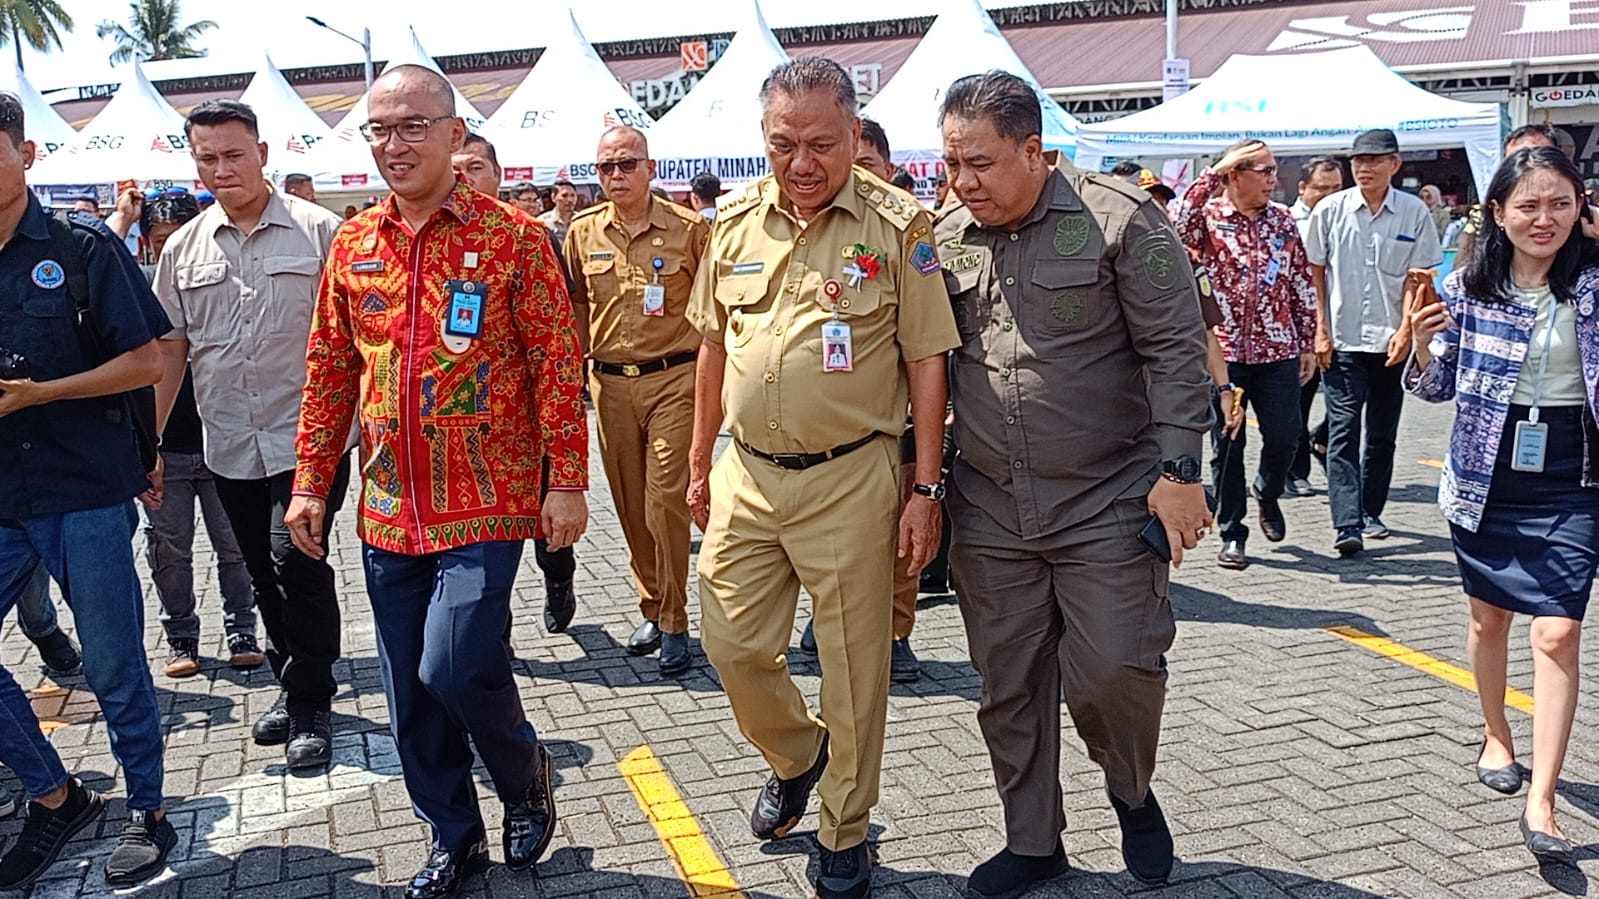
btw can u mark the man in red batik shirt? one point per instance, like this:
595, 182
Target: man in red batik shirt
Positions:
444, 320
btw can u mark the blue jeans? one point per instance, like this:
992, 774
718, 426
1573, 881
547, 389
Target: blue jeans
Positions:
1361, 385
35, 612
439, 620
1272, 390
91, 552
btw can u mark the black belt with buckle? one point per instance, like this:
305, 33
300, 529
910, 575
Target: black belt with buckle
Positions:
802, 461
635, 369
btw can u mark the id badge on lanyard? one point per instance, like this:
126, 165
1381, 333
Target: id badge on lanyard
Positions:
1532, 436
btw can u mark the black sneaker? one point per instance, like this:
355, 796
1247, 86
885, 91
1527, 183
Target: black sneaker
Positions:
184, 659
58, 653
782, 803
1349, 542
310, 740
46, 832
1008, 875
1146, 840
244, 654
272, 728
141, 851
845, 873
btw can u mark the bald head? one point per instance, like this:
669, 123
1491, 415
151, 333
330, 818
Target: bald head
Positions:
422, 87
626, 137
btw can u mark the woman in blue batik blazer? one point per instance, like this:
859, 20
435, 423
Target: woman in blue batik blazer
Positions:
1515, 343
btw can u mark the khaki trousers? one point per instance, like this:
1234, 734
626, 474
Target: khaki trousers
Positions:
645, 426
906, 585
831, 529
1084, 610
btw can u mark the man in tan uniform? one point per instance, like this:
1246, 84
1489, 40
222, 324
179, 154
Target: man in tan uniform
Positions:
633, 259
823, 314
1081, 400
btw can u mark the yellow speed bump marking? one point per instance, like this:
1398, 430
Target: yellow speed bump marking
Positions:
1460, 677
692, 854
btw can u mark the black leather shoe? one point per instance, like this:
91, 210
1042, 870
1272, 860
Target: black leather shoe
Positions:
1298, 487
1008, 875
560, 604
311, 744
530, 822
58, 653
934, 582
1232, 556
676, 657
903, 668
845, 873
808, 639
1506, 780
782, 803
1146, 840
272, 728
1546, 846
446, 870
1272, 523
645, 640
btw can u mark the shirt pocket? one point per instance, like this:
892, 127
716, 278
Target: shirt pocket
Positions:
294, 282
599, 275
211, 314
1394, 255
47, 336
739, 296
1066, 295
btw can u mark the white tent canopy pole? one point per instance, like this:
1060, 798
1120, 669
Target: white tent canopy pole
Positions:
717, 127
549, 126
1300, 103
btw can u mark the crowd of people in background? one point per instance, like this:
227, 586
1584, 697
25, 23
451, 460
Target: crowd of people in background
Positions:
896, 381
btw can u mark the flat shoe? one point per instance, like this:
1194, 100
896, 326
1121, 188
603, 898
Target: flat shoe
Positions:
1506, 780
1546, 846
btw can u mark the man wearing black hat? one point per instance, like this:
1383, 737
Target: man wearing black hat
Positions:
1361, 241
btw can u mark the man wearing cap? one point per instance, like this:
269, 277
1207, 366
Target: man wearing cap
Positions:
1361, 242
1155, 187
818, 253
706, 187
633, 260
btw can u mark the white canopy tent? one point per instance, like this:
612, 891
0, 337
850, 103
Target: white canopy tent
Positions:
42, 124
288, 126
549, 126
717, 127
962, 41
1300, 103
344, 162
138, 136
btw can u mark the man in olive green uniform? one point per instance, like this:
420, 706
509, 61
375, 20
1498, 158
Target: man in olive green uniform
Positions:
633, 260
823, 313
1081, 399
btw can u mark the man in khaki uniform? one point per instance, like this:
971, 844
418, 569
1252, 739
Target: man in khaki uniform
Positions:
1081, 400
633, 259
823, 315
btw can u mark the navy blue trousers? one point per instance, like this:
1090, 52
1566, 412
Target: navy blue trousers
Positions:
440, 618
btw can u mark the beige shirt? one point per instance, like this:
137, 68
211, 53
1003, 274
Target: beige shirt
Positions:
1562, 378
611, 270
763, 294
244, 303
1082, 362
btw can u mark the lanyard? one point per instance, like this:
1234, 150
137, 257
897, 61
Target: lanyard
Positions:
1543, 364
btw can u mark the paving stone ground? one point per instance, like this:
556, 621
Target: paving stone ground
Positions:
1294, 763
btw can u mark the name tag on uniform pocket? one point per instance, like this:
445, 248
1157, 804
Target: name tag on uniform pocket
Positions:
1532, 441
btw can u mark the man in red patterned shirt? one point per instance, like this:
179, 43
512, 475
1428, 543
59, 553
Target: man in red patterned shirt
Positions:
1251, 248
444, 319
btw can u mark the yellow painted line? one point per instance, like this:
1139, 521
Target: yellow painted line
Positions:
692, 854
1460, 677
1432, 463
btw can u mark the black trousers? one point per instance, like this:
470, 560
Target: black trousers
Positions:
557, 565
1361, 386
1312, 436
1272, 390
294, 593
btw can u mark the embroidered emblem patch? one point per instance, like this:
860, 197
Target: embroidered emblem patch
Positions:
1068, 306
963, 263
925, 260
374, 303
49, 275
1071, 235
1158, 258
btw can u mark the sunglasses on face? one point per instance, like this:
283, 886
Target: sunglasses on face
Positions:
626, 166
1268, 170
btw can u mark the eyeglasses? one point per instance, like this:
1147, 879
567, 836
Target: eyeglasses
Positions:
1267, 170
412, 132
626, 166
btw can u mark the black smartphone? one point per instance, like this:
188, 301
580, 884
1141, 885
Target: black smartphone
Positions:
1153, 534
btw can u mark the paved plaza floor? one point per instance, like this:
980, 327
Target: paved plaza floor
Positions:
1318, 743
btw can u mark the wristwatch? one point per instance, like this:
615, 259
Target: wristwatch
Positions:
1224, 389
1183, 470
933, 491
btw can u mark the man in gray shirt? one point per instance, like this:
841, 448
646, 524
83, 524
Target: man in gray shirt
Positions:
239, 283
1361, 242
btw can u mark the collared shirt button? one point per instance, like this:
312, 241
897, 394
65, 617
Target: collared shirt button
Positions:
1017, 464
778, 331
1008, 325
792, 287
771, 425
1015, 237
1009, 280
1010, 419
801, 241
770, 377
26, 445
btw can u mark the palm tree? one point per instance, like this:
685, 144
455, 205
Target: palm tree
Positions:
153, 32
40, 22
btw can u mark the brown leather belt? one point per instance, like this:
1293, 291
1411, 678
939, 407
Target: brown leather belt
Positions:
636, 369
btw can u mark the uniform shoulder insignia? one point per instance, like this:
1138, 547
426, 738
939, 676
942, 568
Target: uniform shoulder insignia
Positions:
742, 203
88, 222
684, 214
592, 210
1116, 185
898, 212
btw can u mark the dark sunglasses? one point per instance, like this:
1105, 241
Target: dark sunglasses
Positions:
626, 166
